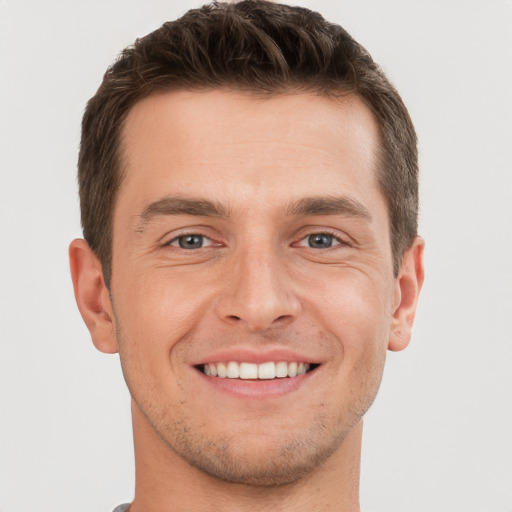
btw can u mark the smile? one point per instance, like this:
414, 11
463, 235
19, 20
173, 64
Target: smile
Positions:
264, 371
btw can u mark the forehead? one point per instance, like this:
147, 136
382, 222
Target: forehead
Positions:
241, 147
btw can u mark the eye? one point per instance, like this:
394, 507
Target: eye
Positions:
320, 241
190, 242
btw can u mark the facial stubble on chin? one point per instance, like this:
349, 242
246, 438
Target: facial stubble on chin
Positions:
283, 460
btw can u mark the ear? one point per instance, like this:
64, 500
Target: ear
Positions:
408, 285
92, 296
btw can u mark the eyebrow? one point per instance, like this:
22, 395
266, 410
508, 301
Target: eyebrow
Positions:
308, 206
311, 206
183, 206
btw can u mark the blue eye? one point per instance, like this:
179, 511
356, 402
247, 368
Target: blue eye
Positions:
190, 241
320, 241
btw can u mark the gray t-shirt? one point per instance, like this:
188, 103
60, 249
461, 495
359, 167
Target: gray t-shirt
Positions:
121, 508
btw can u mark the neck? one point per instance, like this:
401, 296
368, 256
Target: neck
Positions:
166, 482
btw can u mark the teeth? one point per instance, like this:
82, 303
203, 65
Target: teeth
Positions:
281, 370
233, 371
267, 371
248, 371
264, 371
222, 371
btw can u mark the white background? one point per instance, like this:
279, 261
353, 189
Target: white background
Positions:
438, 437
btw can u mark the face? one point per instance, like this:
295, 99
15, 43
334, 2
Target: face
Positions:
250, 238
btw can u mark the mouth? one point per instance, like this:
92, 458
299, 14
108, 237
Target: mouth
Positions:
252, 371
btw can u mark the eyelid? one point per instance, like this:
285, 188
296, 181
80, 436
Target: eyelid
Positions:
303, 242
175, 235
340, 239
174, 242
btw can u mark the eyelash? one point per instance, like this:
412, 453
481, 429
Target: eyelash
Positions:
339, 241
336, 239
178, 238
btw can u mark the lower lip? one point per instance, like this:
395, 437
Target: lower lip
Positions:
257, 388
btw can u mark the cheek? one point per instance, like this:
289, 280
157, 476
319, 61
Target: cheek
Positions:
362, 332
358, 299
155, 306
357, 312
154, 319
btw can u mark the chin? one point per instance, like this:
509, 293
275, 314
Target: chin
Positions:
269, 468
259, 461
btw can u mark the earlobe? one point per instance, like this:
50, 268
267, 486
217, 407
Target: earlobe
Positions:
92, 296
408, 287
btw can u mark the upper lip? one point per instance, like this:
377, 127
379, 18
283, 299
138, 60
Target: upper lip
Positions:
257, 356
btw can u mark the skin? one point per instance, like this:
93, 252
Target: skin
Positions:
254, 289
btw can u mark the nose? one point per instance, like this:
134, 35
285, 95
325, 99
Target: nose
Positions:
258, 292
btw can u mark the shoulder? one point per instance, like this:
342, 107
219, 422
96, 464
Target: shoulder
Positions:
122, 508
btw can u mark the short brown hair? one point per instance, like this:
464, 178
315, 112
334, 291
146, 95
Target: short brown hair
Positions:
257, 46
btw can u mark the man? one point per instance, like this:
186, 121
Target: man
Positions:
248, 186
